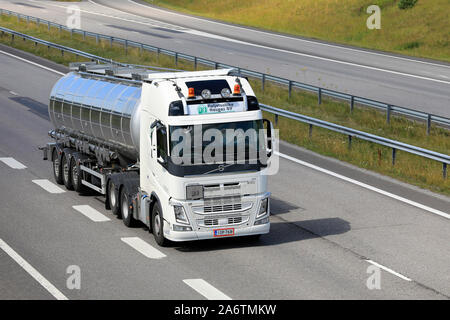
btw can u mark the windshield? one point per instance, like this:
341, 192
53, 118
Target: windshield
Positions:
231, 143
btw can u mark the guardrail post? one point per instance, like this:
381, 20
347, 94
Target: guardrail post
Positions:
394, 152
28, 19
141, 49
48, 25
12, 37
310, 130
38, 22
176, 59
349, 142
388, 114
71, 33
110, 41
60, 28
352, 103
62, 53
263, 81
216, 65
444, 170
126, 47
195, 63
319, 96
290, 89
428, 124
158, 52
84, 35
276, 119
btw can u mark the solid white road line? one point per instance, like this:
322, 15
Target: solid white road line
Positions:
48, 186
143, 247
389, 270
91, 213
31, 62
366, 186
32, 271
13, 163
206, 290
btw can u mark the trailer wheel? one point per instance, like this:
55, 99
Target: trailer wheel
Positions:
65, 166
126, 209
75, 176
113, 198
157, 226
56, 163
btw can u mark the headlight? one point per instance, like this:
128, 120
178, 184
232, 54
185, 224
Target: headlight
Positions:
180, 215
263, 207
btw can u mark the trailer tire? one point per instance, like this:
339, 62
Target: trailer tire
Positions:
126, 209
157, 226
66, 174
75, 176
56, 164
113, 198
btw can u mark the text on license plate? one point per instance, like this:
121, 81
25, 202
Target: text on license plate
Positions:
223, 232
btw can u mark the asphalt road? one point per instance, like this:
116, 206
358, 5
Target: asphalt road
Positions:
414, 83
324, 229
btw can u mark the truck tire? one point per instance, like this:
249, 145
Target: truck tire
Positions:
113, 198
56, 164
65, 170
157, 226
126, 209
75, 176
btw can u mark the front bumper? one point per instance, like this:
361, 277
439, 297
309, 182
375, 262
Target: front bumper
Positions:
209, 234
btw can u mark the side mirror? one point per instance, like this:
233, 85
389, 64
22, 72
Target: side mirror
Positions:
268, 125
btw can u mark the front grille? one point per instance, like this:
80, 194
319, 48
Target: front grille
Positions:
221, 221
222, 208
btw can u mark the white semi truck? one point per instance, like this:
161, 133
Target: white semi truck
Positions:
132, 135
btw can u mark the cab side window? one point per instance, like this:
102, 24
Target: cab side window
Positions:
161, 143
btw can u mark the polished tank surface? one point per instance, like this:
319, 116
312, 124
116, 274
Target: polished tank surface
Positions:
102, 109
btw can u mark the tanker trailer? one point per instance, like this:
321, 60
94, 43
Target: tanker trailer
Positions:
185, 153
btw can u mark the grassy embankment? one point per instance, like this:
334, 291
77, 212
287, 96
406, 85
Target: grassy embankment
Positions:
422, 31
412, 169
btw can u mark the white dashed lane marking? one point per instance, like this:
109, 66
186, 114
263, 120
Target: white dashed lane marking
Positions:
48, 186
91, 213
13, 163
206, 290
143, 247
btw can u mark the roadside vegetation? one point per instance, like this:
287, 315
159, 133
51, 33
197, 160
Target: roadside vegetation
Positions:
412, 169
416, 28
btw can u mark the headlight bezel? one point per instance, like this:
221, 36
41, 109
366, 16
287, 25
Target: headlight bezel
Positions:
263, 208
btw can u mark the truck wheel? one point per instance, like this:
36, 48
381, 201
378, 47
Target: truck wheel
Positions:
65, 166
57, 173
157, 226
75, 176
125, 210
113, 198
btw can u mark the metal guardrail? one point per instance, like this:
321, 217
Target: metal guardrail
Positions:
388, 108
395, 145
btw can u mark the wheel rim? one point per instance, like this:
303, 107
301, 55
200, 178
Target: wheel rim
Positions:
65, 169
157, 226
75, 175
124, 208
56, 165
112, 195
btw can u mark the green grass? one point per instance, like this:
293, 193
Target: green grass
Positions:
426, 24
412, 169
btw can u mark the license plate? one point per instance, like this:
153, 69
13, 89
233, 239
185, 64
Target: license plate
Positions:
223, 232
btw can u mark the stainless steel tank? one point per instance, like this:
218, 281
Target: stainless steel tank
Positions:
106, 111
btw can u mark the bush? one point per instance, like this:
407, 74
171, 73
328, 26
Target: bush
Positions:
406, 4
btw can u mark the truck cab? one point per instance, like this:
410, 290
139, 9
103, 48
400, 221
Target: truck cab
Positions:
192, 128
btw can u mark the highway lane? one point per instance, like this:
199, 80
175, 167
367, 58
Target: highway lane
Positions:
316, 249
413, 83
